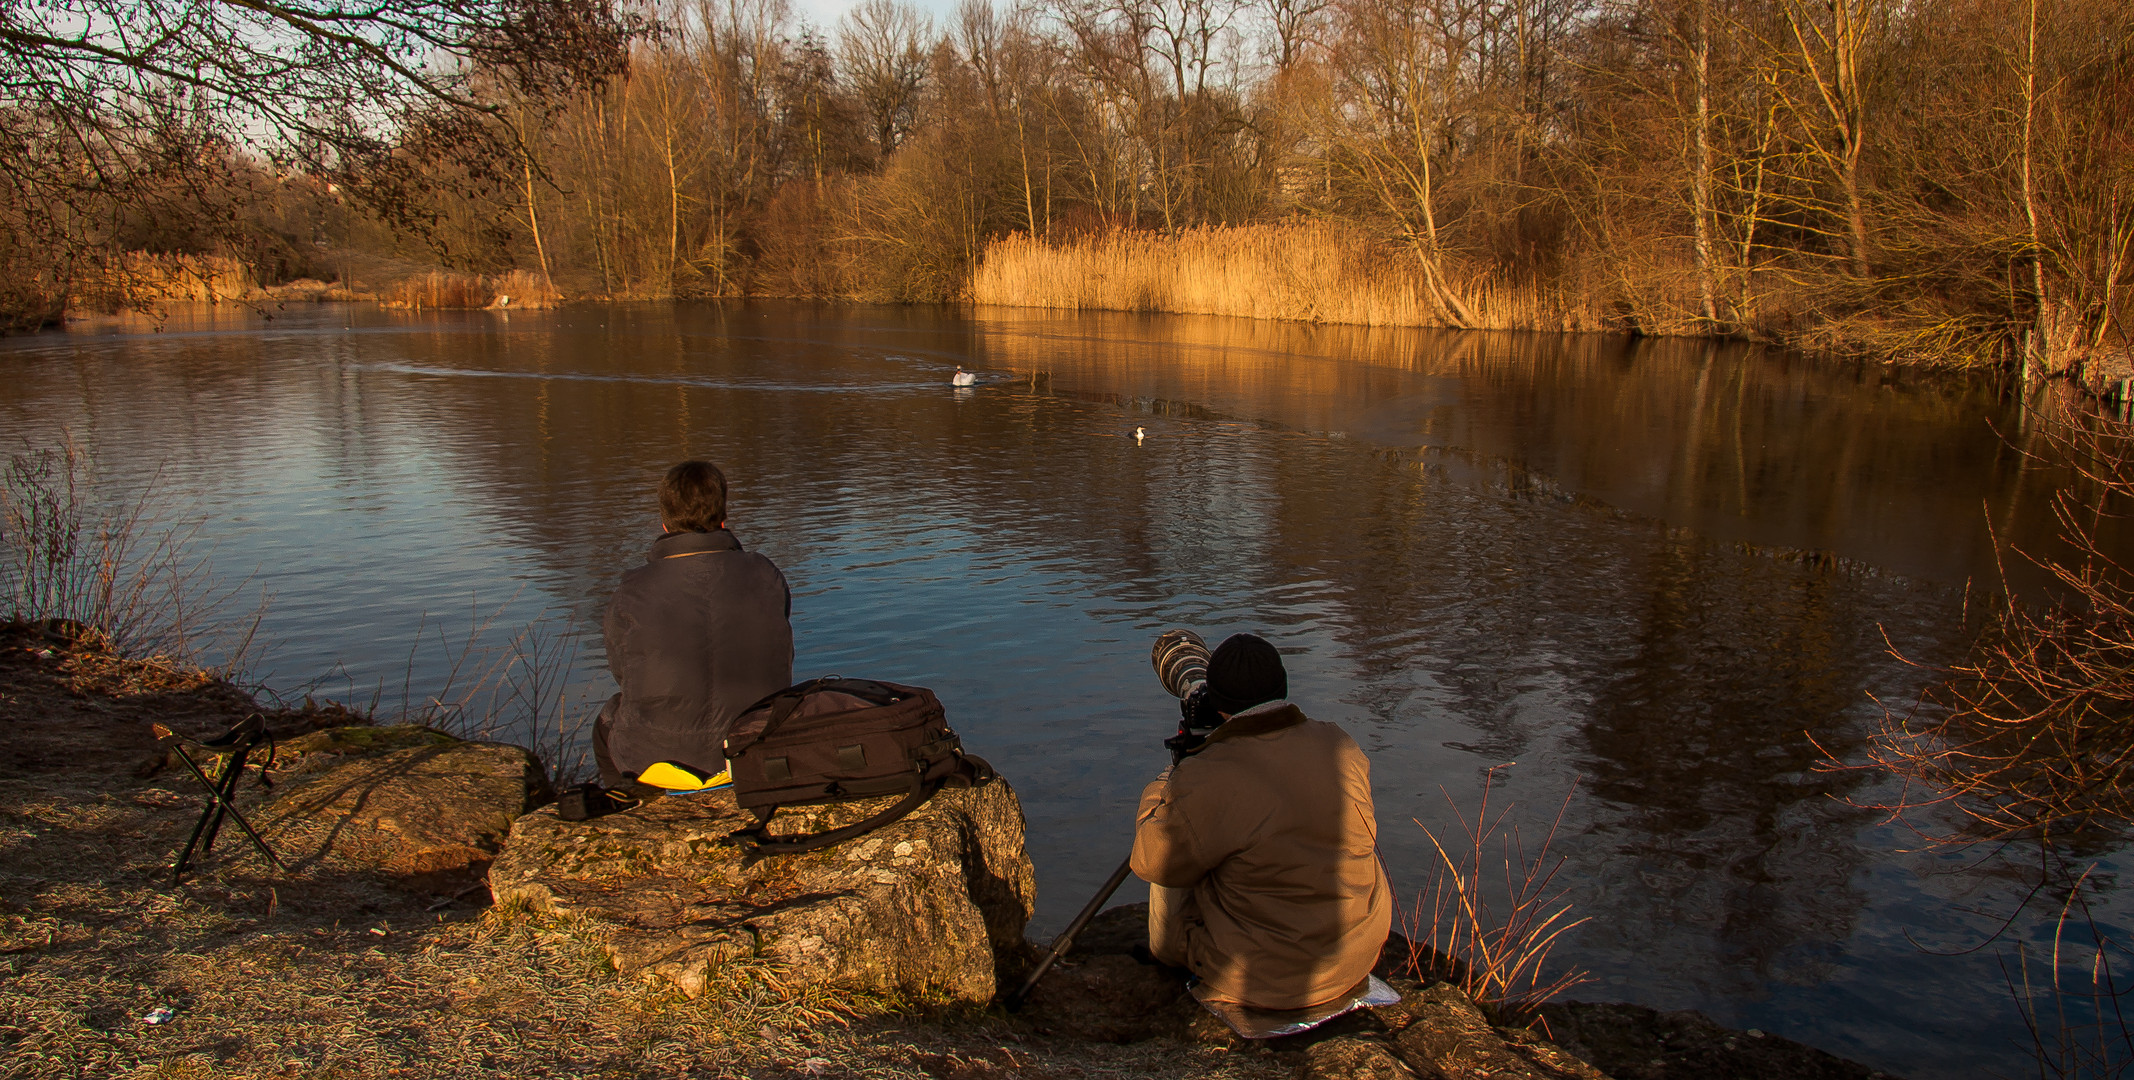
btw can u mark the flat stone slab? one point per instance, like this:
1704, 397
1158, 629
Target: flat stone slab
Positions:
932, 907
406, 803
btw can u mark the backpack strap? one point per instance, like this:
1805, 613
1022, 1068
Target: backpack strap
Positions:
970, 771
759, 838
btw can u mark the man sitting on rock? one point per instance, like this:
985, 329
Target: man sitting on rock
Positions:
1260, 848
695, 636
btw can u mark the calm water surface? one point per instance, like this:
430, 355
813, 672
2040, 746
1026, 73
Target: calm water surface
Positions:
1652, 569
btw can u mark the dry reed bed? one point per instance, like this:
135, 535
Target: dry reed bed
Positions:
1307, 271
444, 289
141, 276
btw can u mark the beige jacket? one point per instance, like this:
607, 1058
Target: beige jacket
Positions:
1270, 827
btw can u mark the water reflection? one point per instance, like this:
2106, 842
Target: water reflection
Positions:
1661, 567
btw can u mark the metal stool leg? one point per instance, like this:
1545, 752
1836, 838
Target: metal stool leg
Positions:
220, 791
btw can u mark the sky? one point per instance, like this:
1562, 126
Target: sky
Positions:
825, 13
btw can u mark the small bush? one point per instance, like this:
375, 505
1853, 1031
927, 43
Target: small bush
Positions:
127, 572
1498, 955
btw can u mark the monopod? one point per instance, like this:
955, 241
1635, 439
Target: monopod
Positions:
1181, 661
1065, 941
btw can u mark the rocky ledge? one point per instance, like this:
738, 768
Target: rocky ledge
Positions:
373, 959
414, 805
931, 908
1101, 992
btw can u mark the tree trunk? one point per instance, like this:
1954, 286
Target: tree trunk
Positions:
533, 220
2041, 318
1701, 184
1022, 149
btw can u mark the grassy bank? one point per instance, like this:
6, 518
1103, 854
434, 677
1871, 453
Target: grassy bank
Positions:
324, 977
142, 281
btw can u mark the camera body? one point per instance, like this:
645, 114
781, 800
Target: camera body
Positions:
1196, 712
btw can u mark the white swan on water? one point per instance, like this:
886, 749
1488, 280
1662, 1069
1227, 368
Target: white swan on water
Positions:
963, 378
1138, 433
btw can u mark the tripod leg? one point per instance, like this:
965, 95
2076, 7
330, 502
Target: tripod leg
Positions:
237, 760
211, 812
1065, 941
233, 770
221, 806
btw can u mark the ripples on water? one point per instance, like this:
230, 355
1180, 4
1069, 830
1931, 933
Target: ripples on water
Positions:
1652, 567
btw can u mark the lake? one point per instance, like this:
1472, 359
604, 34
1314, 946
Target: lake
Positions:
1648, 572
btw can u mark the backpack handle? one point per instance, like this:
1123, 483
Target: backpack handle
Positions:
784, 703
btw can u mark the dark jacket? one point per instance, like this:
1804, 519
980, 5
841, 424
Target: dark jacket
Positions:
1270, 826
695, 636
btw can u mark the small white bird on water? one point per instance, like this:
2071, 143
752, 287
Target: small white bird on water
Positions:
1138, 433
963, 378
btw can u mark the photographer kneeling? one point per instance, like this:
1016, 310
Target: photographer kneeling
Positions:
1260, 847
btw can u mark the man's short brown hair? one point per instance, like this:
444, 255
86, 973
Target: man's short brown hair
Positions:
692, 497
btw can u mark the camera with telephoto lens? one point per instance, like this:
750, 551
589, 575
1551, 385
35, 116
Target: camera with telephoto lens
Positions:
1181, 661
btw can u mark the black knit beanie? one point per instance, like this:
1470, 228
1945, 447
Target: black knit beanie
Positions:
1245, 671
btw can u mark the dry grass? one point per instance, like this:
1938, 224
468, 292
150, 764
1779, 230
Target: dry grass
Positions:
1930, 339
521, 690
1498, 955
2072, 1001
444, 289
524, 289
1311, 271
438, 289
1330, 272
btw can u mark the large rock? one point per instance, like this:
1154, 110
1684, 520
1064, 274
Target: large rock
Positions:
405, 802
1444, 1031
931, 907
1347, 1057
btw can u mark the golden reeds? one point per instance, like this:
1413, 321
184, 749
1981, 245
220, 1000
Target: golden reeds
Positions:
523, 289
1313, 271
141, 277
438, 289
445, 289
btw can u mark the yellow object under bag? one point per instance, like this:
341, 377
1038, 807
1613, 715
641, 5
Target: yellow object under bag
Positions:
677, 778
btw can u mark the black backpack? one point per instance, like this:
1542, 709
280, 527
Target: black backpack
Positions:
834, 739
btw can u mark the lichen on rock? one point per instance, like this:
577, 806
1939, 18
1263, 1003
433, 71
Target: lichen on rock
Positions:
931, 907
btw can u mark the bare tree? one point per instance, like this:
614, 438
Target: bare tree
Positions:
1399, 105
1293, 26
885, 51
109, 107
1832, 44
